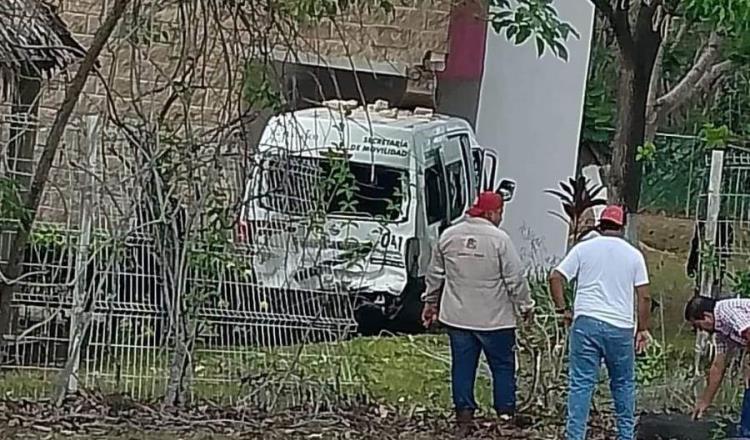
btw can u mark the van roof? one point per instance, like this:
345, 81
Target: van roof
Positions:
379, 114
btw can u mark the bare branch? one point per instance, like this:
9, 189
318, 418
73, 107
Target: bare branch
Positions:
713, 75
688, 85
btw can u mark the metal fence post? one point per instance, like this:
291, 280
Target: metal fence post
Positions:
713, 207
91, 133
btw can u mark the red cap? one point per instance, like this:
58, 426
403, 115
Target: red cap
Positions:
486, 202
613, 214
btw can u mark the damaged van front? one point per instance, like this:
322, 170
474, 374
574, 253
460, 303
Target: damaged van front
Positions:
331, 206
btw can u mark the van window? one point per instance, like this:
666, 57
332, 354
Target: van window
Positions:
434, 188
457, 190
477, 167
298, 185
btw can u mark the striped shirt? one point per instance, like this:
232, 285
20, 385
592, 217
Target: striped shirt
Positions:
731, 319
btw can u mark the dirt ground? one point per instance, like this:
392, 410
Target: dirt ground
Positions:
88, 418
666, 234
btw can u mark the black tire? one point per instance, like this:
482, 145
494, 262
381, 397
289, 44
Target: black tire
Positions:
408, 319
675, 426
370, 319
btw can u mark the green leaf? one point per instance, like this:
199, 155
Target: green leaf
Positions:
512, 30
533, 18
539, 46
523, 34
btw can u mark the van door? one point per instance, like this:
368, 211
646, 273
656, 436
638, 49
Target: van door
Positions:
448, 189
485, 168
448, 183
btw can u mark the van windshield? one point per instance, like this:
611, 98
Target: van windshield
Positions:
302, 185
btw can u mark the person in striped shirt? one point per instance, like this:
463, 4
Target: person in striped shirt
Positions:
729, 321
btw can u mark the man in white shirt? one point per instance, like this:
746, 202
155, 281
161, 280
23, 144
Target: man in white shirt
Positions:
475, 286
607, 269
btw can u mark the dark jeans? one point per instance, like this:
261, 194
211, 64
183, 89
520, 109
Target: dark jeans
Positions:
592, 341
744, 428
498, 347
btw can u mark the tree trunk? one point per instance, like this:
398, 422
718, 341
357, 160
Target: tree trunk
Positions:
625, 173
638, 54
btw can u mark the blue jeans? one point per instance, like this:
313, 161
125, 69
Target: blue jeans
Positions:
744, 428
499, 349
591, 341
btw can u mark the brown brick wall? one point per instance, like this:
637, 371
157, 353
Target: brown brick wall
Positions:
402, 38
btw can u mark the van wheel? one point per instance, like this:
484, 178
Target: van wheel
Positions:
408, 318
370, 318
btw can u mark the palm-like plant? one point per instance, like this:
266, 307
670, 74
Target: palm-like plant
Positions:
576, 197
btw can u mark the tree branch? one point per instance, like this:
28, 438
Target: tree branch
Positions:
716, 72
652, 116
688, 85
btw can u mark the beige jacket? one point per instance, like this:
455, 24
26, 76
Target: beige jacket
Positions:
480, 275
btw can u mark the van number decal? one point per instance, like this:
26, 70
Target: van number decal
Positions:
391, 241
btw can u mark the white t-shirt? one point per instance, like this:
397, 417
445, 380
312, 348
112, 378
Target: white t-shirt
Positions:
607, 270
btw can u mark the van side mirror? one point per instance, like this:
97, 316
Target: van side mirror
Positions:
507, 189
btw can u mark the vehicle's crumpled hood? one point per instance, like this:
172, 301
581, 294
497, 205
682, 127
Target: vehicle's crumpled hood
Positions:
353, 261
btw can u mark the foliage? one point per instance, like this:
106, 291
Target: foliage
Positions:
740, 282
261, 91
537, 19
715, 137
47, 235
646, 152
576, 197
11, 204
651, 366
673, 174
728, 16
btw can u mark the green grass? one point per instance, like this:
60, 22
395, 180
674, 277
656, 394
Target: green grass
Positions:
671, 287
409, 372
414, 372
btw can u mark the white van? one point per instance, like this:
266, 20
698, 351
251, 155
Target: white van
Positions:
354, 198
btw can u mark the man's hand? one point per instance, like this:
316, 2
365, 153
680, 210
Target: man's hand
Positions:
429, 314
642, 338
565, 317
700, 408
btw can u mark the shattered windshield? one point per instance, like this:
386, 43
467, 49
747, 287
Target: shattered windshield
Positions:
302, 185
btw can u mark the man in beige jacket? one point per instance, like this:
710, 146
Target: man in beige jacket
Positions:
475, 286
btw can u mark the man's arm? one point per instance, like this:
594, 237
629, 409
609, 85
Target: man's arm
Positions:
641, 283
564, 272
715, 377
435, 277
644, 307
557, 289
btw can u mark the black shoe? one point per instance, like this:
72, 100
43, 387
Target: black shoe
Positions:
464, 422
517, 420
